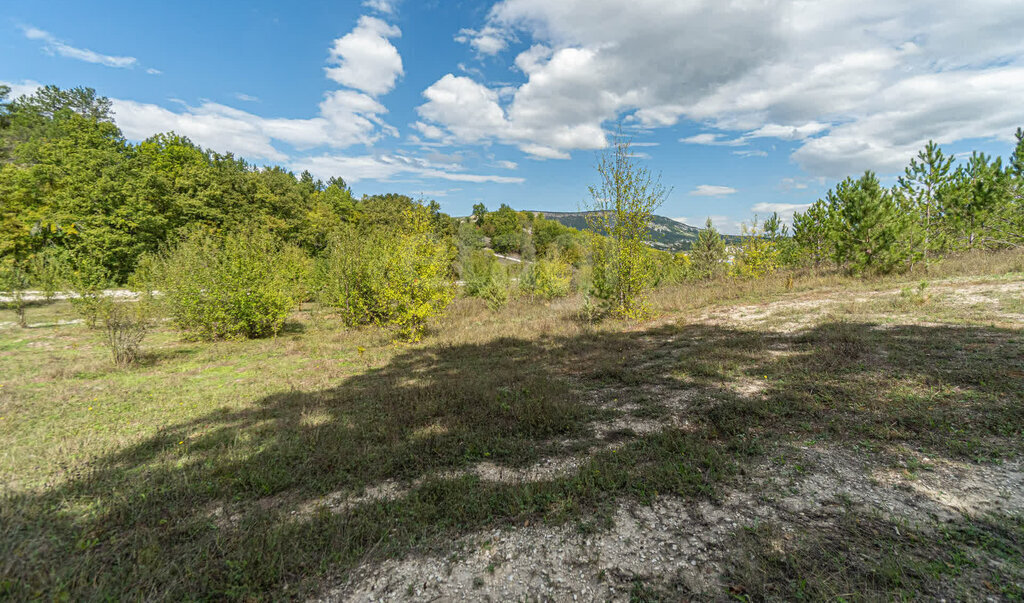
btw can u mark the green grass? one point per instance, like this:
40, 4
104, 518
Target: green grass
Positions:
864, 557
180, 478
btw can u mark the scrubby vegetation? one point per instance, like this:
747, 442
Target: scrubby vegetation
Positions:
241, 284
327, 381
83, 209
396, 275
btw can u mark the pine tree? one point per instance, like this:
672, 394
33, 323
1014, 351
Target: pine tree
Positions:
813, 231
926, 176
981, 207
708, 253
1017, 159
870, 226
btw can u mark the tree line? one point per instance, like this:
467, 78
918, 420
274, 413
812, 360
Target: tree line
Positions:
233, 248
936, 207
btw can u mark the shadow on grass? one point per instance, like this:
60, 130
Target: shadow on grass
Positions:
143, 522
860, 555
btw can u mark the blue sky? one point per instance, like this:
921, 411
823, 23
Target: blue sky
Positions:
744, 106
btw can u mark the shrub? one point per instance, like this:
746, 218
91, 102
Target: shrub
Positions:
757, 256
469, 237
47, 272
125, 326
14, 280
389, 276
671, 269
242, 284
485, 278
547, 278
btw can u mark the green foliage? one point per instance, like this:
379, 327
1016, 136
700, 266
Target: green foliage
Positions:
14, 280
708, 254
5, 121
396, 276
757, 257
469, 237
814, 232
1017, 158
63, 162
510, 242
921, 192
505, 228
125, 325
479, 212
547, 278
984, 205
239, 285
623, 203
777, 232
550, 236
485, 277
870, 227
50, 101
936, 209
85, 279
47, 270
671, 268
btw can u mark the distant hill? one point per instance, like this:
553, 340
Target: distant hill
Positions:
665, 233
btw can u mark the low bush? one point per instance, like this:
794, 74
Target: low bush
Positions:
486, 278
389, 276
547, 278
757, 256
14, 281
125, 326
239, 285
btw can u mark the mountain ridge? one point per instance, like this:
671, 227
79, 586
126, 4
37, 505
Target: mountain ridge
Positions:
665, 234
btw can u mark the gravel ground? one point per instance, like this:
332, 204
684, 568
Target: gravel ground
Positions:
680, 545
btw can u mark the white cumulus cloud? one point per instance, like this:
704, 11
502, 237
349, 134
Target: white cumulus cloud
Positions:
365, 59
388, 7
853, 84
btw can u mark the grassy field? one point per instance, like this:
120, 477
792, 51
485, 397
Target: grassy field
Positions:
284, 467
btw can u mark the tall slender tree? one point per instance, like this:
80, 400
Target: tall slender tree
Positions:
814, 230
1017, 159
622, 205
921, 185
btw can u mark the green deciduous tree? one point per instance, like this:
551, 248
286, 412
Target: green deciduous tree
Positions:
479, 212
622, 205
505, 229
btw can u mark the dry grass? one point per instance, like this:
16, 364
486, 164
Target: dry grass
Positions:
179, 477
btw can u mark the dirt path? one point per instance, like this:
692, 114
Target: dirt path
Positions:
688, 548
684, 541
